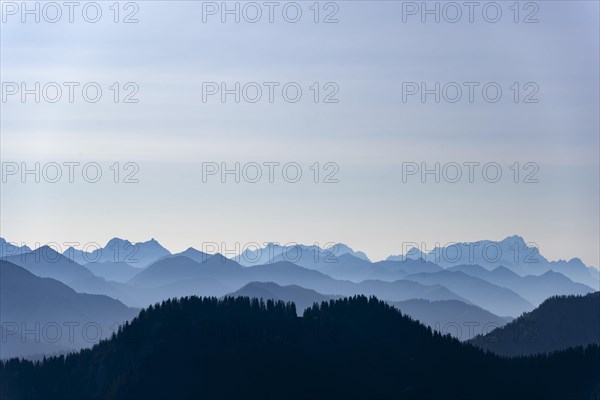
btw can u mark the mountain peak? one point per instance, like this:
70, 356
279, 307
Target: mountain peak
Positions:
514, 239
340, 249
117, 240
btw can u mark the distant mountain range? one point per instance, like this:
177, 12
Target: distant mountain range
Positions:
534, 289
43, 315
301, 297
453, 317
446, 295
273, 252
12, 249
117, 250
512, 252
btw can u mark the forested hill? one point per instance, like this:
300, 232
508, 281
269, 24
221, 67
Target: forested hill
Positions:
558, 323
241, 348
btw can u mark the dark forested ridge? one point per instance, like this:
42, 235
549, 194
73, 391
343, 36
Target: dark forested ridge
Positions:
558, 323
240, 348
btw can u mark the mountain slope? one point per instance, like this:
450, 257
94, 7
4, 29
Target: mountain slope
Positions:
349, 267
303, 298
496, 299
179, 276
116, 250
114, 271
455, 317
462, 321
558, 323
42, 314
11, 249
239, 348
534, 289
46, 262
512, 252
175, 269
286, 273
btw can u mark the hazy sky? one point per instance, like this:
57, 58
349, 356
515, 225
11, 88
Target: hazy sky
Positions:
368, 135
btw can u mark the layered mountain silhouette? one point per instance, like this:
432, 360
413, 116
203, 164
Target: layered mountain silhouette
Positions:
43, 315
301, 297
460, 300
534, 289
118, 250
12, 249
349, 267
298, 254
456, 318
459, 319
351, 348
499, 300
340, 249
196, 255
218, 276
114, 271
558, 323
46, 262
512, 252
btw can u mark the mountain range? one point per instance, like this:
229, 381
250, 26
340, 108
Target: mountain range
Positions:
454, 317
43, 315
513, 252
349, 348
118, 250
459, 300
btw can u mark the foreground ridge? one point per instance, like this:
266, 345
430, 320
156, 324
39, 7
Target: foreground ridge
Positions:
353, 347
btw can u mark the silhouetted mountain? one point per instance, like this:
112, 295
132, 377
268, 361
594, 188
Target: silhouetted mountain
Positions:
534, 289
285, 273
513, 253
196, 255
455, 317
345, 267
239, 348
498, 300
558, 323
113, 271
390, 269
119, 291
174, 269
179, 276
349, 267
12, 249
43, 315
340, 249
461, 320
46, 262
298, 254
301, 297
137, 255
412, 254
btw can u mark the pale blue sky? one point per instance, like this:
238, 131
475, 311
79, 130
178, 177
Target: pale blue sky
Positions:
369, 133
